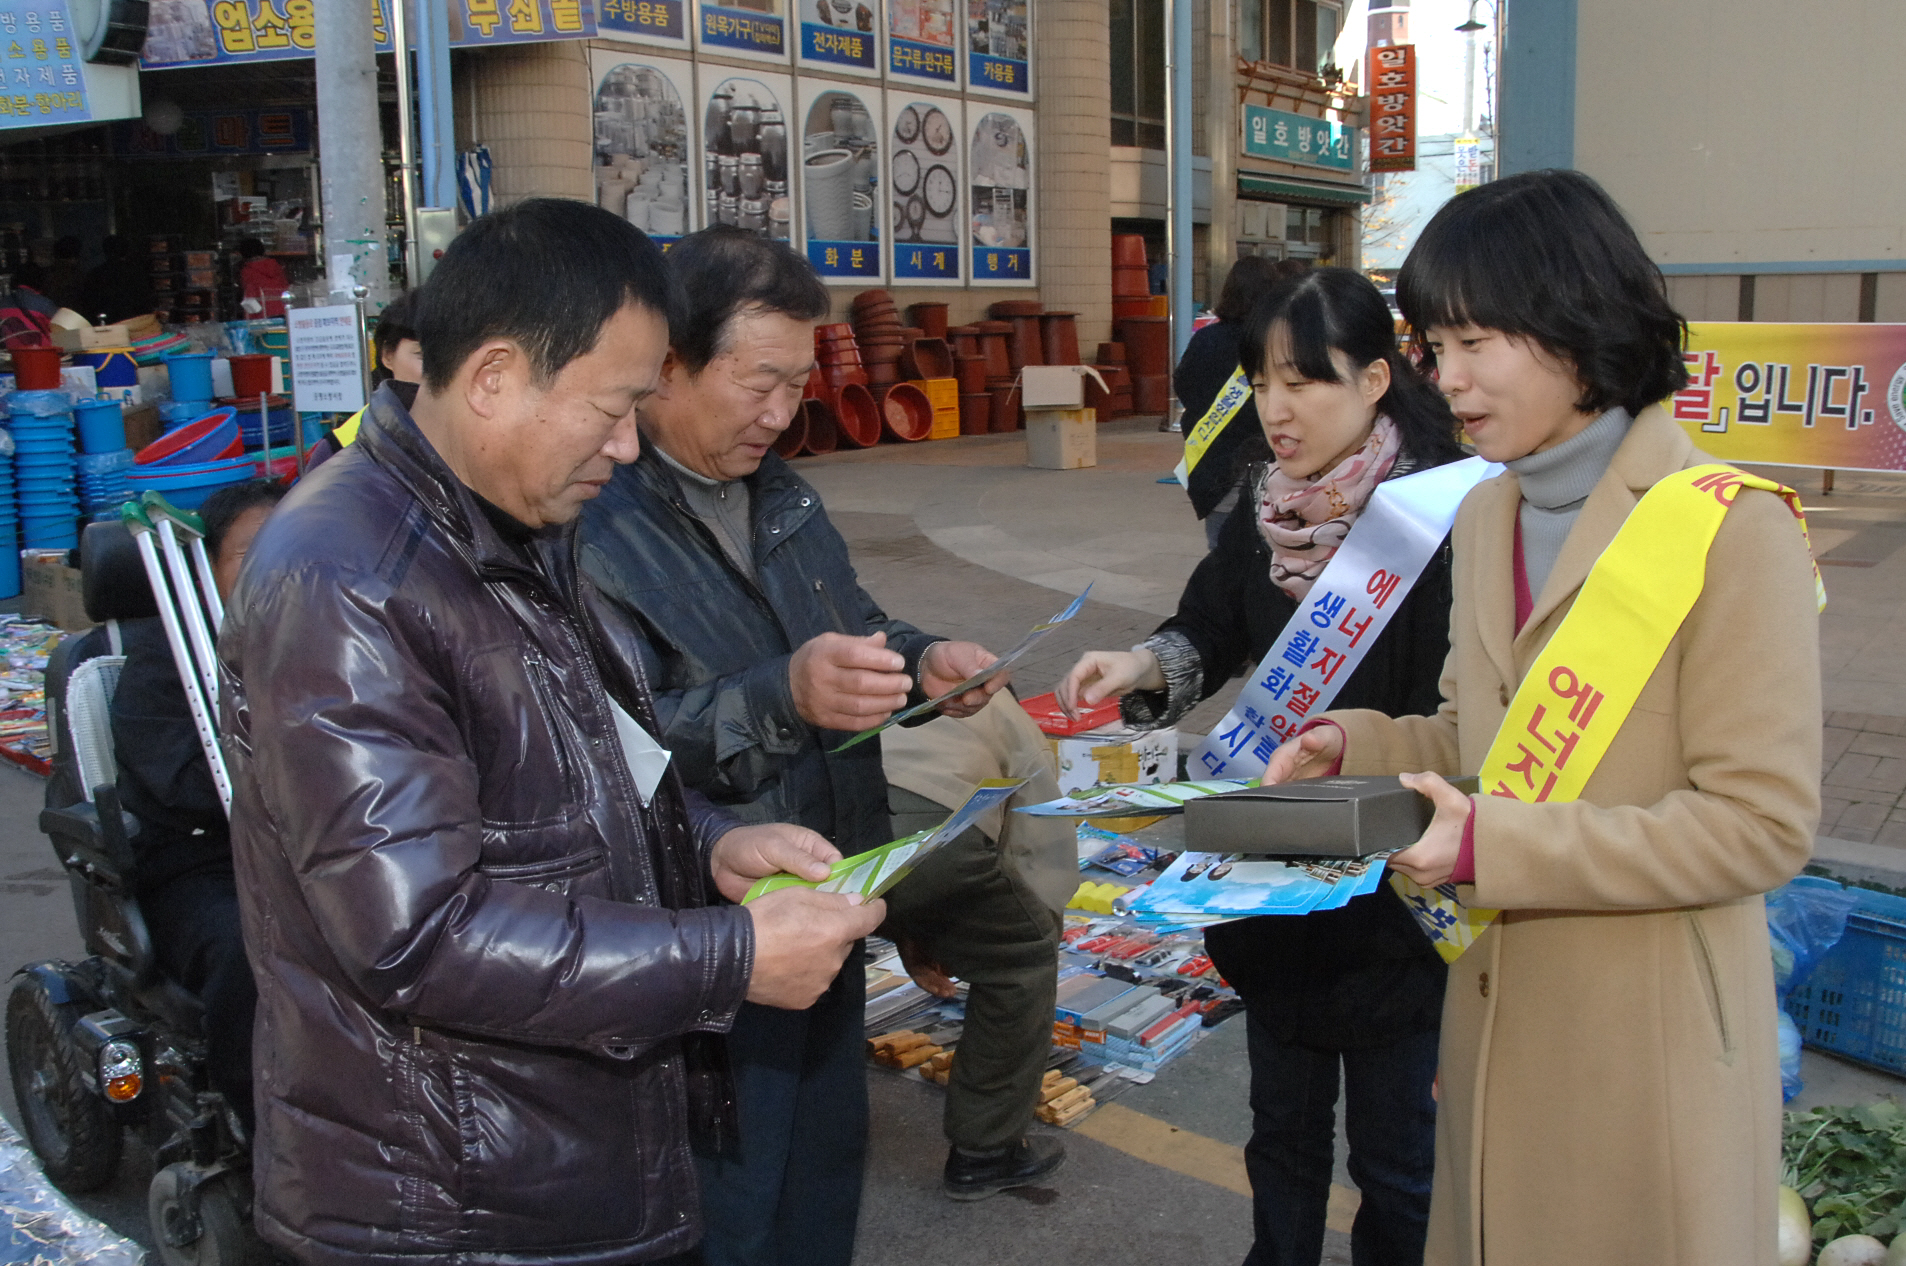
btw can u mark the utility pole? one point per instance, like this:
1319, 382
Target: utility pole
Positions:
1178, 160
351, 153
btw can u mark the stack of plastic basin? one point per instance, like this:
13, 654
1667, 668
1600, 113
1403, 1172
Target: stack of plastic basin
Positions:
208, 438
103, 485
284, 427
187, 486
9, 524
41, 423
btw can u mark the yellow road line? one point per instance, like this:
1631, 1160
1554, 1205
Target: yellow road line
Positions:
1193, 1155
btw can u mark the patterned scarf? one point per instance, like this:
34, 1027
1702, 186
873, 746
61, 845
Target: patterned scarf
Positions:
1305, 521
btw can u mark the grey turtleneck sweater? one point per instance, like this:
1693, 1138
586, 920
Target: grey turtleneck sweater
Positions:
724, 506
1555, 483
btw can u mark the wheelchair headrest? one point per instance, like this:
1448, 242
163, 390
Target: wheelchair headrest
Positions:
112, 578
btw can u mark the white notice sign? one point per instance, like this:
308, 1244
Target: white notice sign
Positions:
327, 359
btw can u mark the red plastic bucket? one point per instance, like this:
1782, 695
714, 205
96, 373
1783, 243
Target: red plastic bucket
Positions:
251, 375
36, 368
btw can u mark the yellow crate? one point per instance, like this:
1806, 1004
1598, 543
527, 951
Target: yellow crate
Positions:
944, 393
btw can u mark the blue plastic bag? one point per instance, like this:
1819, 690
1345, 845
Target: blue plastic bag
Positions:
1805, 919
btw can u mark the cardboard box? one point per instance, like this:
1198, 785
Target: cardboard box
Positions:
1062, 439
1115, 754
50, 590
1055, 386
1318, 817
91, 338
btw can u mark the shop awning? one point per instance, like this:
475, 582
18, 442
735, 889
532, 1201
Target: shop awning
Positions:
1300, 191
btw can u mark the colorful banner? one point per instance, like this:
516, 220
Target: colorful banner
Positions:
205, 133
841, 193
653, 21
43, 80
644, 140
198, 32
1000, 177
752, 32
839, 35
998, 47
1298, 138
922, 41
1830, 396
924, 186
1393, 108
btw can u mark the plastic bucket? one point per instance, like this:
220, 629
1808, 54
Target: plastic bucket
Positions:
191, 375
251, 375
102, 427
9, 571
36, 368
112, 366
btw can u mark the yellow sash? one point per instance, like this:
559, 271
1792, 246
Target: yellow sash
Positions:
1236, 391
1579, 690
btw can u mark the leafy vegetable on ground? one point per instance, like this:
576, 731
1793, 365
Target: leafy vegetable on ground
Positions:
1849, 1164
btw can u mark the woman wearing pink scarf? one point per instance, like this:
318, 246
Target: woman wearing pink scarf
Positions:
1345, 998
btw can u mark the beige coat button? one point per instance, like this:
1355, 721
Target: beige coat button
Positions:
1482, 983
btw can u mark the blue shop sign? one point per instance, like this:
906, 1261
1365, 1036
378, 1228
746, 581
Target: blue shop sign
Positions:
936, 263
921, 61
1002, 263
41, 80
845, 259
739, 28
823, 43
1298, 138
661, 19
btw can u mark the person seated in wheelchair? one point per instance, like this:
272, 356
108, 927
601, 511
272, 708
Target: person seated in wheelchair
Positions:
183, 849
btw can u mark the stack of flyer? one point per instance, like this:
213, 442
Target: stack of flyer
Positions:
1199, 889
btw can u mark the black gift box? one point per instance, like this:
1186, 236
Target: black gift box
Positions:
1318, 817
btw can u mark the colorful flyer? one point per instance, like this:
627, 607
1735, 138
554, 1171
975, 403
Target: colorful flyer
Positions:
1213, 887
644, 141
663, 22
1001, 183
1796, 395
924, 183
1132, 800
873, 873
757, 29
744, 172
842, 202
923, 42
998, 47
840, 36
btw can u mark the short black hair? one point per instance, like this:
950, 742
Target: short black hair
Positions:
250, 248
547, 273
1547, 255
727, 270
1327, 310
1249, 278
397, 322
222, 509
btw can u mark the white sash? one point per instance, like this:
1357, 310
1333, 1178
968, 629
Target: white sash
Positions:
1347, 608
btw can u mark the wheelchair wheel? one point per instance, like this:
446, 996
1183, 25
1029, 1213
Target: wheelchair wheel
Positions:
221, 1237
72, 1130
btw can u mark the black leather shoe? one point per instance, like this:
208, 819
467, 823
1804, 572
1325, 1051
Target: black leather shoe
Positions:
975, 1175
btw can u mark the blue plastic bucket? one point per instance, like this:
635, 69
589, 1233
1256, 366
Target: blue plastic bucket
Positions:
191, 375
9, 570
102, 427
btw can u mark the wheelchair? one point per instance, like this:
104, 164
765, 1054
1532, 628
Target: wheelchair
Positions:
109, 1045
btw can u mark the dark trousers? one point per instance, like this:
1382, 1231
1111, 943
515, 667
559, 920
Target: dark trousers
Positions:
985, 927
790, 1194
193, 921
1390, 1124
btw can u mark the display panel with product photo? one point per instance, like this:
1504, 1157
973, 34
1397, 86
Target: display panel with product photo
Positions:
839, 36
841, 179
663, 22
1001, 206
924, 182
746, 179
999, 47
923, 41
744, 28
645, 141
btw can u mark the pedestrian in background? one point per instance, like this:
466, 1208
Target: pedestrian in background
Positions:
1211, 359
1610, 1082
1347, 997
262, 279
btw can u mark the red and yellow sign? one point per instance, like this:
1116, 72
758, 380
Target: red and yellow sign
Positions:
1393, 108
1832, 396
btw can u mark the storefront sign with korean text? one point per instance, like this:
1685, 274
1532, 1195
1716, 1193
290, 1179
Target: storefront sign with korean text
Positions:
44, 82
205, 133
193, 32
925, 187
658, 20
1000, 184
327, 359
922, 41
839, 35
1393, 108
998, 47
748, 32
1298, 138
1796, 395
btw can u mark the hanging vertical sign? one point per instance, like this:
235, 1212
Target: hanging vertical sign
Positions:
1393, 108
42, 77
644, 141
998, 47
758, 30
651, 21
1000, 191
841, 130
1468, 163
839, 35
746, 177
922, 42
923, 187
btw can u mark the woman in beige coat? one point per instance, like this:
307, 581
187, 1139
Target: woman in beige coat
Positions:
1609, 1087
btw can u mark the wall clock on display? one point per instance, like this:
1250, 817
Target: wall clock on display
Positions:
906, 172
907, 127
939, 191
937, 131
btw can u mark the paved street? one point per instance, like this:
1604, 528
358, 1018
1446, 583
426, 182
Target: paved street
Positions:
961, 538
